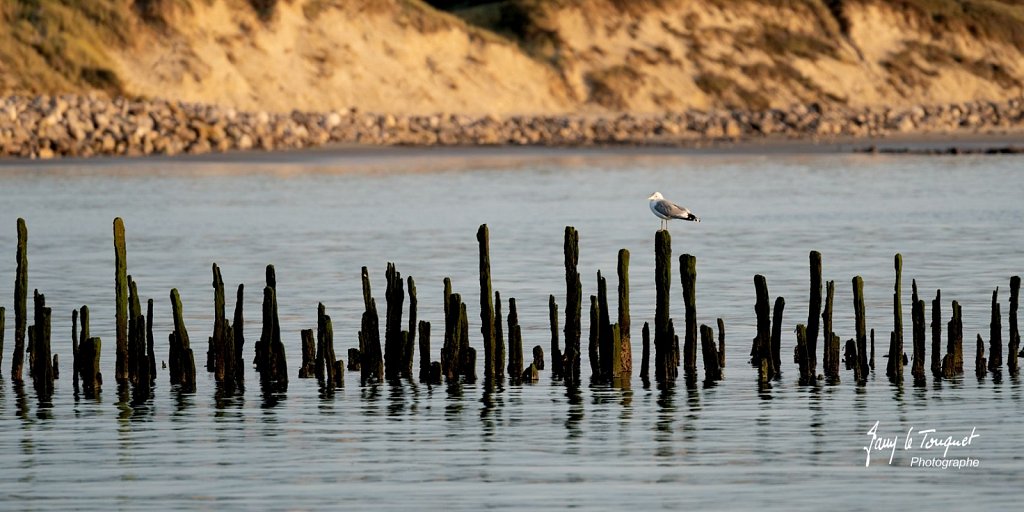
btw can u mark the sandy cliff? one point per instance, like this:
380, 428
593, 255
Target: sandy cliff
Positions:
517, 56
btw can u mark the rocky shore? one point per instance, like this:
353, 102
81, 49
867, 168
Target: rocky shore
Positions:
82, 126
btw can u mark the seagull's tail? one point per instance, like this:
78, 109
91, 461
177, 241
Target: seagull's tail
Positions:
692, 217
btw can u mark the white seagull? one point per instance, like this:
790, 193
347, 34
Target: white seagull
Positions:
667, 210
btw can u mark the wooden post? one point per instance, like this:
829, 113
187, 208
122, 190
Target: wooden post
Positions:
121, 306
664, 366
937, 334
917, 318
370, 357
814, 314
830, 359
801, 354
467, 354
410, 338
573, 307
182, 361
721, 344
776, 337
450, 359
606, 343
515, 344
325, 367
424, 376
860, 324
20, 300
83, 319
74, 344
42, 364
486, 306
872, 350
538, 357
556, 351
688, 276
625, 342
499, 341
150, 343
220, 358
894, 368
1014, 346
394, 345
763, 356
238, 336
995, 338
309, 367
979, 359
953, 362
712, 370
89, 369
593, 351
645, 356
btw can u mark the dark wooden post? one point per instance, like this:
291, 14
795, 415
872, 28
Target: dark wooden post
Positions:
1014, 346
515, 345
688, 276
42, 367
712, 370
645, 355
625, 343
74, 345
467, 354
801, 354
953, 362
872, 362
424, 376
979, 359
450, 359
860, 324
995, 359
664, 366
776, 337
121, 295
238, 336
573, 308
606, 343
499, 341
556, 351
917, 319
310, 366
89, 369
763, 357
721, 343
937, 334
486, 306
370, 357
538, 357
223, 346
20, 300
593, 352
394, 345
830, 359
151, 342
814, 314
895, 364
182, 361
410, 338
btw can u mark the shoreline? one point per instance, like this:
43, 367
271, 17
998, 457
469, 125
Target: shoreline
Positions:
89, 128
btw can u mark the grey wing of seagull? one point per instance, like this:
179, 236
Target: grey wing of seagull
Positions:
672, 210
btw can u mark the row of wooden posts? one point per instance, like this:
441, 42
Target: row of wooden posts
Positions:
609, 344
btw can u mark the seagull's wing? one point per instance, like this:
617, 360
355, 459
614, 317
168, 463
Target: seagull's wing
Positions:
673, 210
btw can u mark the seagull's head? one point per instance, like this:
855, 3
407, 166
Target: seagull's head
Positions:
656, 197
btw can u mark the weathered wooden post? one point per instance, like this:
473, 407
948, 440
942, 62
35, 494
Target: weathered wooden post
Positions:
995, 359
712, 370
83, 318
814, 314
894, 368
860, 324
573, 307
221, 353
182, 362
776, 337
121, 295
801, 354
851, 359
763, 356
370, 357
1014, 346
486, 306
830, 359
721, 343
238, 336
872, 362
538, 357
515, 345
625, 342
645, 355
3, 312
150, 342
937, 334
42, 367
410, 335
20, 300
450, 360
606, 342
593, 352
89, 366
467, 354
556, 351
664, 334
309, 367
917, 318
979, 359
424, 376
499, 341
330, 374
394, 345
688, 276
953, 362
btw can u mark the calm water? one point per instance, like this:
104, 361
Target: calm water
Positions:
319, 217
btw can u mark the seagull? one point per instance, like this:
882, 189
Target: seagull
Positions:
667, 210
